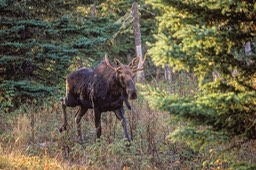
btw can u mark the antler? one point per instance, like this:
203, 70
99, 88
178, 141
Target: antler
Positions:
134, 63
108, 64
142, 67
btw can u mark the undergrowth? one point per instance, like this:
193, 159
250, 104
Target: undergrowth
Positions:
32, 135
29, 139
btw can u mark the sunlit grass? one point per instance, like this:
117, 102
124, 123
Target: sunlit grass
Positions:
14, 160
33, 141
30, 139
22, 162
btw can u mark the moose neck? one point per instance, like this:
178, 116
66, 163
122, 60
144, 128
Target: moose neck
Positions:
113, 85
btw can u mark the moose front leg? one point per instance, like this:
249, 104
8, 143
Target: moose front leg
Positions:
97, 119
120, 115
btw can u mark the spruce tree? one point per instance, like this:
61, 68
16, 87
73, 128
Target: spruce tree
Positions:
41, 40
204, 37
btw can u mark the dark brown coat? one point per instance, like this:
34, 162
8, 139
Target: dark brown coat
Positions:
103, 89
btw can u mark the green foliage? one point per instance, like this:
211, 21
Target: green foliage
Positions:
4, 3
41, 40
227, 112
31, 133
203, 37
198, 139
20, 91
243, 166
203, 41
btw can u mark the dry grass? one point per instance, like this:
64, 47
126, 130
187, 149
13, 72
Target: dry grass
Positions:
32, 141
29, 139
16, 161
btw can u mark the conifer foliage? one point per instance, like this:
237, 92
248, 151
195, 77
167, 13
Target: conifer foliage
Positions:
41, 40
38, 42
207, 37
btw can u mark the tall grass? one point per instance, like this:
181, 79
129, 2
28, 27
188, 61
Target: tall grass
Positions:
32, 135
30, 139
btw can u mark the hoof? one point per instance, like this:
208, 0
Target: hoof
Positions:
62, 129
80, 141
127, 143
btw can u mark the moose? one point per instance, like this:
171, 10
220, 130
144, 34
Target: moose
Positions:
106, 88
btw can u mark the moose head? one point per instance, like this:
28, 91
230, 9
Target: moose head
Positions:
125, 75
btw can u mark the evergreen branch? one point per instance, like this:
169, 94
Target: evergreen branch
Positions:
30, 23
212, 14
236, 145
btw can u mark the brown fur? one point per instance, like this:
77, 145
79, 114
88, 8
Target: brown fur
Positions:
103, 89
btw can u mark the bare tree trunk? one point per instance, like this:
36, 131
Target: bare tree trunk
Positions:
93, 10
158, 72
234, 73
129, 57
137, 37
167, 73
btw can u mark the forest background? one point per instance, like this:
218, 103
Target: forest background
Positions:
196, 106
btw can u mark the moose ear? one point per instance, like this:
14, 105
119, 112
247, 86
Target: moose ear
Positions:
117, 62
134, 63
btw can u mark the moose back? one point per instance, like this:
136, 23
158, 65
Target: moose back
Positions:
105, 88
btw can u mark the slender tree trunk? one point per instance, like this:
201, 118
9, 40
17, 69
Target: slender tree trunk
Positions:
158, 73
137, 37
129, 57
93, 10
168, 73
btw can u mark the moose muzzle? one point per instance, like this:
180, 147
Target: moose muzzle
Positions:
131, 90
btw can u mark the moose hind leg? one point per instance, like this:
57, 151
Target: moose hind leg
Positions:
65, 123
120, 115
82, 110
68, 101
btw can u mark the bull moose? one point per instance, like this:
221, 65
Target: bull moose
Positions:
106, 88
